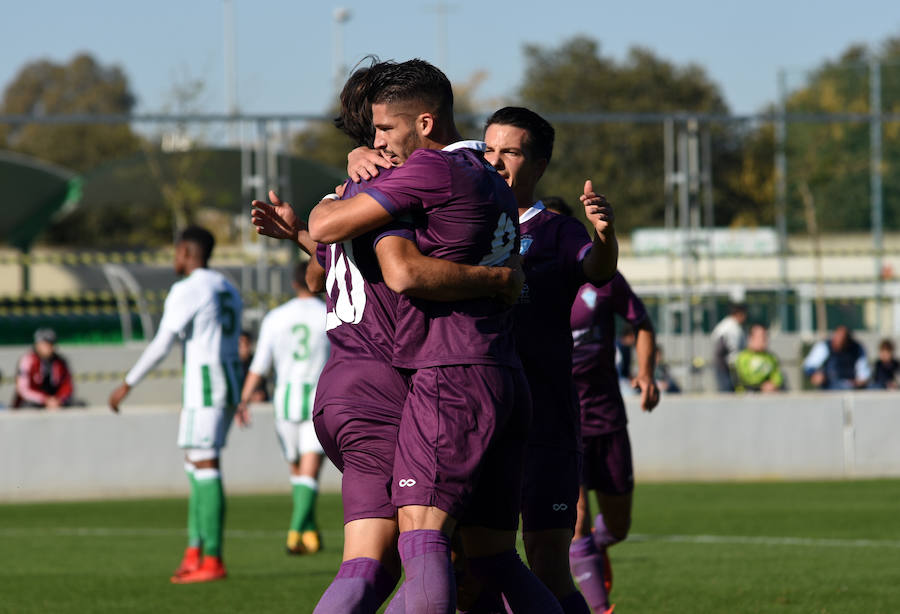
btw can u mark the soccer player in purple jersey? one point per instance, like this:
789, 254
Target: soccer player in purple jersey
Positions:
607, 450
558, 256
461, 440
360, 394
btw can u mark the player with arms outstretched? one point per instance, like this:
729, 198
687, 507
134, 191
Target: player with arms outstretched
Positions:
292, 339
204, 310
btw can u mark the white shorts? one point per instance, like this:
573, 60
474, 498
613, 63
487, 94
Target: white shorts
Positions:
205, 428
297, 438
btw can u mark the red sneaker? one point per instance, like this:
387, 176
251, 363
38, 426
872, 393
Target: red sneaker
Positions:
211, 569
607, 573
189, 562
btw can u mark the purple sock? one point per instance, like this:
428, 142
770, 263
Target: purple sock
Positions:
506, 573
602, 537
430, 587
587, 567
574, 604
358, 588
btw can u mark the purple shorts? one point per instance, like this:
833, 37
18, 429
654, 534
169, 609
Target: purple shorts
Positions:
550, 489
361, 443
607, 463
462, 441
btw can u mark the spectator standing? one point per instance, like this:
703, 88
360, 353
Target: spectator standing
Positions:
43, 378
728, 339
838, 363
756, 368
886, 368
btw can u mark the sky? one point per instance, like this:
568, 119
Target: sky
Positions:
287, 51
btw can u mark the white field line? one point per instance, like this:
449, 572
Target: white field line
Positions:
257, 534
132, 532
814, 542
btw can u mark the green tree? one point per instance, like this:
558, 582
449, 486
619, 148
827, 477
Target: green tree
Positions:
81, 86
831, 160
625, 160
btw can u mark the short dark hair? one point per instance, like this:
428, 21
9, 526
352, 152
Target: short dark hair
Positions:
300, 274
413, 80
200, 237
540, 133
558, 204
886, 344
355, 115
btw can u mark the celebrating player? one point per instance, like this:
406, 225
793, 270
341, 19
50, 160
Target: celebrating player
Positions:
607, 450
360, 394
558, 256
292, 337
204, 309
460, 442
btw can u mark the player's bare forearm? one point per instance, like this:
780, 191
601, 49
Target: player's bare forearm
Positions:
333, 221
407, 271
602, 261
315, 275
645, 352
251, 383
600, 264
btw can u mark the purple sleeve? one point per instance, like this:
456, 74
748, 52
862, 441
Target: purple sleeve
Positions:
627, 303
320, 253
404, 231
424, 179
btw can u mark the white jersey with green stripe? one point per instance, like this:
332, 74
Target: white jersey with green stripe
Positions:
292, 337
204, 309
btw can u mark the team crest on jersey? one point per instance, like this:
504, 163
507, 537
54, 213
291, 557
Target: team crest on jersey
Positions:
589, 297
524, 244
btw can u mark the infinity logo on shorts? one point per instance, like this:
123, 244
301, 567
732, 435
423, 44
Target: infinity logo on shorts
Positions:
560, 507
407, 482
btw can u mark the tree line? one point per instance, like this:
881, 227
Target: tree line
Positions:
828, 163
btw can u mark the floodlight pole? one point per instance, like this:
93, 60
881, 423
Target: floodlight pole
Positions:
231, 102
875, 189
781, 198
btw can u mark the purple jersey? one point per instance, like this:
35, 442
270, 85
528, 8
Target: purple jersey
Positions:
552, 249
594, 359
463, 212
360, 321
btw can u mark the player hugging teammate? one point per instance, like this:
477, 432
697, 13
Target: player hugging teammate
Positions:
424, 404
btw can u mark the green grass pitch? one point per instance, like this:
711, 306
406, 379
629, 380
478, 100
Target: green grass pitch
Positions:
773, 547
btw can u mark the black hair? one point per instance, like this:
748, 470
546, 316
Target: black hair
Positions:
355, 115
540, 133
200, 237
413, 80
558, 204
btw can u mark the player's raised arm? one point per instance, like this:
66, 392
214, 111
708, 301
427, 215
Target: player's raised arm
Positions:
278, 220
600, 264
407, 271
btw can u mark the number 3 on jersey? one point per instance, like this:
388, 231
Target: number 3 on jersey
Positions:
347, 304
503, 243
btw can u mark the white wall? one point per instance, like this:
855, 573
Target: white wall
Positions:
93, 453
794, 436
82, 454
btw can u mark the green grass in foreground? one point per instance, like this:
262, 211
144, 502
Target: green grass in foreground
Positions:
773, 547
